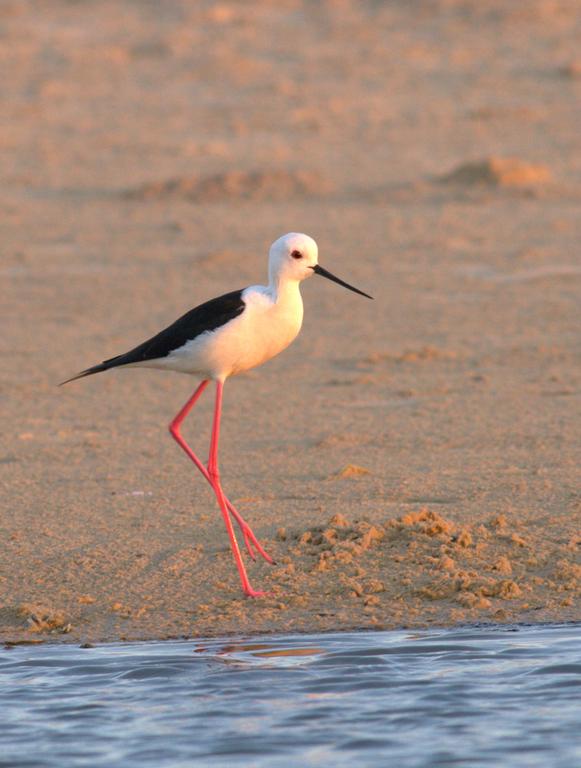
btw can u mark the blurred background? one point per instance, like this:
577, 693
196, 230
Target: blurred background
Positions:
152, 151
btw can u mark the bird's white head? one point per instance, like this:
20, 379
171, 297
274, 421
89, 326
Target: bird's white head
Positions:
292, 257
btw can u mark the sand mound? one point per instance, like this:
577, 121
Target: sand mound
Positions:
498, 172
352, 470
435, 565
236, 185
44, 619
339, 542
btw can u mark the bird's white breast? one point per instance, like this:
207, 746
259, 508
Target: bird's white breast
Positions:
268, 324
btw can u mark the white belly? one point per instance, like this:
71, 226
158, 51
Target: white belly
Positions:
264, 329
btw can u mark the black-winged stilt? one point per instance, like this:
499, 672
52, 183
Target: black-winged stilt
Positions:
229, 335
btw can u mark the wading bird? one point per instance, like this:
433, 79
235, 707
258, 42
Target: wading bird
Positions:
225, 336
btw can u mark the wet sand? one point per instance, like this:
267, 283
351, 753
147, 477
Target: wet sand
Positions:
408, 462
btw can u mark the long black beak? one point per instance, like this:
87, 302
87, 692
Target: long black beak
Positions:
318, 270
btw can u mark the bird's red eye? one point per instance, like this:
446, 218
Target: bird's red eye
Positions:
297, 255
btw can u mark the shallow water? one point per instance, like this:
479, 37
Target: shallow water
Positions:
467, 697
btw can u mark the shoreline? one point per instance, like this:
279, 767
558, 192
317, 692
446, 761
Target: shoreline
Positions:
344, 576
510, 626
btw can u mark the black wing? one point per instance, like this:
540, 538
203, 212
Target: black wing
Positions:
207, 317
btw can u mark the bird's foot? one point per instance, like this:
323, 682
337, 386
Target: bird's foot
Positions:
250, 539
249, 592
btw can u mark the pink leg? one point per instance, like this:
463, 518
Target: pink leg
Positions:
174, 428
215, 478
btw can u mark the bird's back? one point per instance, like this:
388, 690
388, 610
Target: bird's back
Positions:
222, 337
158, 351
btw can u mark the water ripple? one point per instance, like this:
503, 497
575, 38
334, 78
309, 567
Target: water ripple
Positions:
468, 697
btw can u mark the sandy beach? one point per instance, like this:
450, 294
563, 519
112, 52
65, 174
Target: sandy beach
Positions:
408, 462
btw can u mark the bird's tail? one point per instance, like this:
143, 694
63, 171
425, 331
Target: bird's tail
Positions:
87, 372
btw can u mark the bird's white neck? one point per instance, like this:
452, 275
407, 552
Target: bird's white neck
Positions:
283, 288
